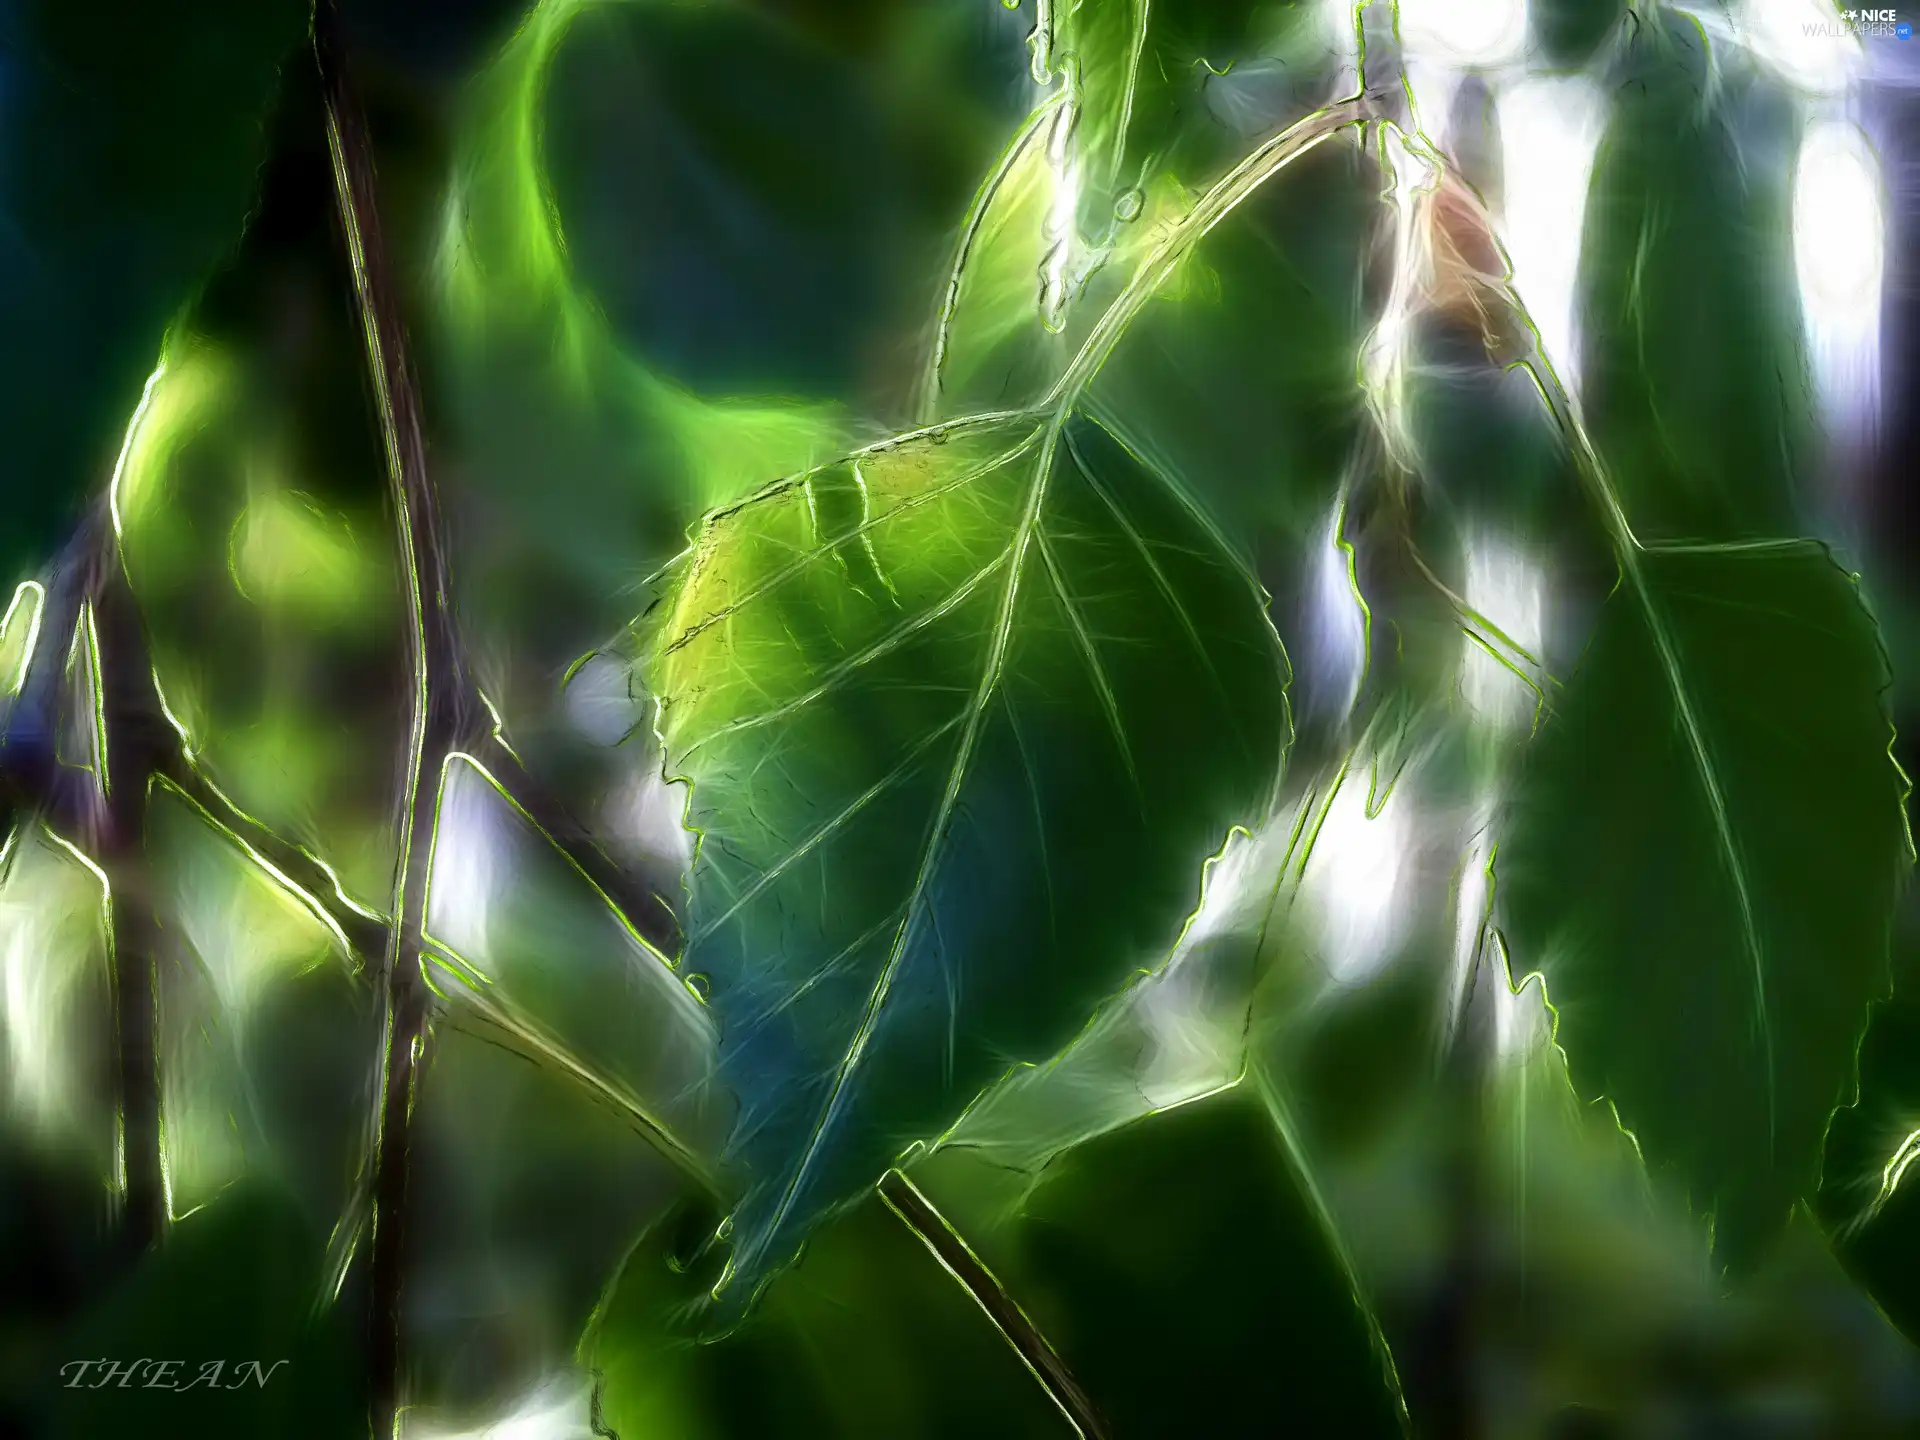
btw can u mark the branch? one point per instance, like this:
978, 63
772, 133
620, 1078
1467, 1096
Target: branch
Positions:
637, 898
917, 1212
440, 701
131, 737
98, 812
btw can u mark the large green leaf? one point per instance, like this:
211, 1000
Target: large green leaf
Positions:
1694, 367
963, 716
1705, 848
132, 134
1183, 1269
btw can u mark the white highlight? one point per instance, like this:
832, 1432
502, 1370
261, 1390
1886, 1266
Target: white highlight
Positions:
648, 812
1549, 129
560, 1409
1839, 250
1469, 916
127, 441
1465, 32
1337, 622
470, 846
1063, 213
1803, 41
599, 700
1433, 88
1511, 592
53, 983
1356, 882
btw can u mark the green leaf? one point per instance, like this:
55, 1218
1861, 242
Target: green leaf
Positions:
529, 1189
520, 941
867, 1338
1570, 31
1240, 376
56, 1002
266, 1034
1869, 1199
1695, 379
1705, 849
963, 716
1147, 103
133, 133
1183, 1269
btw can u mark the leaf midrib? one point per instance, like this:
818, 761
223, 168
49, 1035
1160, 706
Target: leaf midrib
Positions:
937, 832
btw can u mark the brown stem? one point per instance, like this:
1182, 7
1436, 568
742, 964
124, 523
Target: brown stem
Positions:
907, 1201
135, 736
440, 694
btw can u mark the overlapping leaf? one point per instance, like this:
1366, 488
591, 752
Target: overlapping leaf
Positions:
1182, 1268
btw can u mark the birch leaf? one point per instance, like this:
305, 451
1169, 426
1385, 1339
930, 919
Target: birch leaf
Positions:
963, 714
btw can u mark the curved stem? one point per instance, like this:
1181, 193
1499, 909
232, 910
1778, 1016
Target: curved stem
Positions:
439, 696
1178, 242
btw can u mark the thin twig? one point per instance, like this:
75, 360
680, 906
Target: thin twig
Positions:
910, 1203
637, 898
134, 736
439, 701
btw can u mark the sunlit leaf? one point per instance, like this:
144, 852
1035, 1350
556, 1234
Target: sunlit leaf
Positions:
521, 941
1704, 853
55, 1002
963, 715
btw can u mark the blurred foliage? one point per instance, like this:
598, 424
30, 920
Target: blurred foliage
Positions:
1696, 375
252, 512
234, 1285
1276, 1159
133, 132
